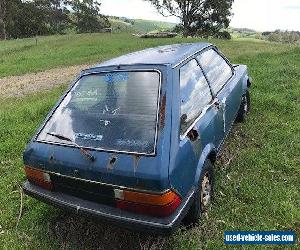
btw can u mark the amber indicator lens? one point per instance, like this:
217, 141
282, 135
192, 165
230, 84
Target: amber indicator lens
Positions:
38, 178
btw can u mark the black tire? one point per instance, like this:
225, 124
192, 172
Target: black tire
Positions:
244, 108
199, 206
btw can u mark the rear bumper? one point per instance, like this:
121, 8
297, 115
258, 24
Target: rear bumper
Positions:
111, 214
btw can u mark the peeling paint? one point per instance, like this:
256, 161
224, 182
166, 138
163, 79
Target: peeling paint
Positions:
136, 159
224, 115
195, 142
112, 161
52, 159
162, 112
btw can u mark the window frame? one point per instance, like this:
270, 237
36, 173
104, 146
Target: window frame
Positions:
51, 113
227, 62
197, 118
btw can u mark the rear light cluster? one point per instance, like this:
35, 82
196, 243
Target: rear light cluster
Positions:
39, 178
159, 205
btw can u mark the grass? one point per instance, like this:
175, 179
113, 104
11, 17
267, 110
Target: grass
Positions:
257, 175
22, 56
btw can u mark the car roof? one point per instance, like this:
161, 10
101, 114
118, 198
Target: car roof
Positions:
168, 54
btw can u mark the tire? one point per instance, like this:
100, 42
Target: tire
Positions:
205, 189
244, 108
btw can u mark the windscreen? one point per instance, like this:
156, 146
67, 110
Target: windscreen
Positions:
115, 111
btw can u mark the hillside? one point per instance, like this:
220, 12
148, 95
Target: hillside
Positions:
120, 24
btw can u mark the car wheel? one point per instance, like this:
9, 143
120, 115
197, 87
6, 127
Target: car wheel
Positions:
244, 108
203, 195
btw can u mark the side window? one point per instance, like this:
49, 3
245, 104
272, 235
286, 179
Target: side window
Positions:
216, 68
194, 93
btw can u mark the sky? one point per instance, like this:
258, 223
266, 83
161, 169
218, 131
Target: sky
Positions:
261, 15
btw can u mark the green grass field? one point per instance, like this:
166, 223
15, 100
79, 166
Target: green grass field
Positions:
22, 56
257, 175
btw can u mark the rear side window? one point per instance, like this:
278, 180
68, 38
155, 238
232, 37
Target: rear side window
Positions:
194, 93
216, 69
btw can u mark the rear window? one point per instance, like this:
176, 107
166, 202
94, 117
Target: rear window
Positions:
115, 111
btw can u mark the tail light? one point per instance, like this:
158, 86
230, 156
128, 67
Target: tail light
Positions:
38, 177
160, 205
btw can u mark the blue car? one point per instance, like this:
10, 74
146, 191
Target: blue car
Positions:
134, 139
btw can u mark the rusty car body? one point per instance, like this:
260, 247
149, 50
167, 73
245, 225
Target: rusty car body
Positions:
133, 140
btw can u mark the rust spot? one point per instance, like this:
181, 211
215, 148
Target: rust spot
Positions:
76, 173
162, 111
112, 161
51, 159
193, 135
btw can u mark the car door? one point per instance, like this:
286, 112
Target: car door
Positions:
225, 87
199, 124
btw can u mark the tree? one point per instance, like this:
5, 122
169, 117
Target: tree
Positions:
27, 18
198, 17
2, 19
87, 16
56, 14
24, 19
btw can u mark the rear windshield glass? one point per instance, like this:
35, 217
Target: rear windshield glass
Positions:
109, 111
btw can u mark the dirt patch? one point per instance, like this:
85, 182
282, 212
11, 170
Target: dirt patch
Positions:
18, 86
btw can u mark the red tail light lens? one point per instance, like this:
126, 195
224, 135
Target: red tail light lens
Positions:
38, 177
152, 204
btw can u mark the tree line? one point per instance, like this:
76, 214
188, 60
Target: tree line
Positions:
27, 18
19, 18
282, 36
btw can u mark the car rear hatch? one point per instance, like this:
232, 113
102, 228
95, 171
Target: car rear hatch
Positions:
109, 133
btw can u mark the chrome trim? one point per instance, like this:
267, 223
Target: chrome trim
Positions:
102, 149
97, 149
192, 55
101, 183
58, 201
203, 112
